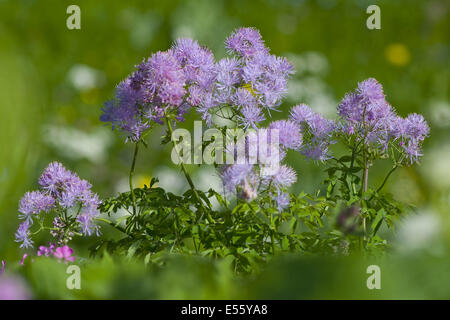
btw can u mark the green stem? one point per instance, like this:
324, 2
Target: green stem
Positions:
188, 177
133, 164
111, 224
365, 172
385, 179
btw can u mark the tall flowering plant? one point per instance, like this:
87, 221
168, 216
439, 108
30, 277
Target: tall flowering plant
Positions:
64, 206
257, 216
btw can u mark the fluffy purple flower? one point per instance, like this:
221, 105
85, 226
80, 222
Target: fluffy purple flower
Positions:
284, 177
243, 98
161, 80
320, 127
197, 62
267, 75
245, 42
53, 177
416, 128
251, 115
350, 108
289, 133
23, 235
33, 203
283, 200
124, 112
86, 220
370, 91
228, 73
301, 114
412, 150
317, 151
235, 174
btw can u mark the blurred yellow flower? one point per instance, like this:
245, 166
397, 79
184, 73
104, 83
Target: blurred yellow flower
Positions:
142, 180
397, 54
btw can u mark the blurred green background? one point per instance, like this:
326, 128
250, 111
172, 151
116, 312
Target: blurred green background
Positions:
53, 82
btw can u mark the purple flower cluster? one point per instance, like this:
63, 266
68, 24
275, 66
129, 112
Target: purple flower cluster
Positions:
170, 81
365, 112
250, 81
260, 170
61, 190
317, 131
366, 115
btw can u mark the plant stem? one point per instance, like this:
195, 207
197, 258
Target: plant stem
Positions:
188, 177
133, 164
386, 178
111, 224
365, 173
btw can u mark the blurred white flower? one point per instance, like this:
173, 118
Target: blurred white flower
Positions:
208, 178
76, 144
419, 232
439, 113
171, 180
84, 78
436, 167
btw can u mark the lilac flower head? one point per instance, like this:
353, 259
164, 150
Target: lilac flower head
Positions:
301, 114
53, 177
320, 127
251, 115
235, 174
317, 152
33, 203
284, 177
350, 107
243, 98
283, 200
124, 112
416, 128
161, 80
267, 75
23, 235
197, 62
245, 42
289, 133
228, 76
370, 91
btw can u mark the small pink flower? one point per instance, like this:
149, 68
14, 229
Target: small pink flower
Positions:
23, 259
2, 269
64, 253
